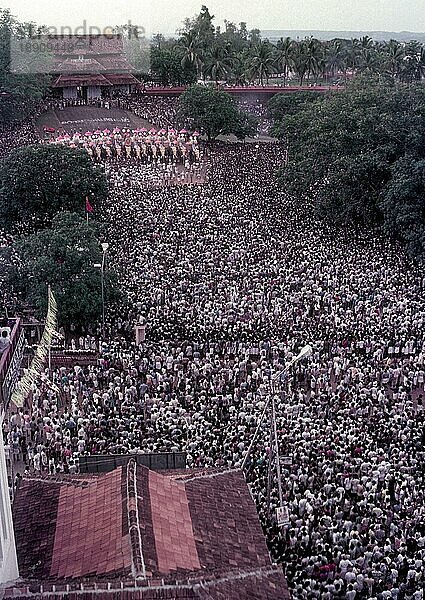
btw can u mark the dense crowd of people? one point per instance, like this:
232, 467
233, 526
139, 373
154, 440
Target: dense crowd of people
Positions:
229, 280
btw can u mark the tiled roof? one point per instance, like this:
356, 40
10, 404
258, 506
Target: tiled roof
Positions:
172, 525
225, 522
74, 80
89, 540
266, 583
34, 514
137, 525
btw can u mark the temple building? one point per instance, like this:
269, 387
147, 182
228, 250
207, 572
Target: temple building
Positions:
91, 66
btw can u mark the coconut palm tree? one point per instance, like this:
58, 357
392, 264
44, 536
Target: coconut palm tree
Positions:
218, 64
393, 53
238, 69
262, 62
334, 59
314, 53
285, 53
300, 61
192, 52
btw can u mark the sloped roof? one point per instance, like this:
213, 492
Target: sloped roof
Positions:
138, 526
82, 80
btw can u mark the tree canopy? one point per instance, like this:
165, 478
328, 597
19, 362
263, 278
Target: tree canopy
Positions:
236, 55
64, 257
38, 181
214, 112
19, 92
353, 151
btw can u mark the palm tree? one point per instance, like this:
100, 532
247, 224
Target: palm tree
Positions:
285, 56
262, 62
300, 61
238, 69
192, 52
370, 60
353, 50
394, 55
335, 58
313, 54
218, 63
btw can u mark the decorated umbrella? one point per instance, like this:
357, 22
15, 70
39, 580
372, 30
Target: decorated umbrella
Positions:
152, 130
162, 131
143, 130
171, 131
106, 131
196, 133
183, 131
88, 133
116, 130
97, 132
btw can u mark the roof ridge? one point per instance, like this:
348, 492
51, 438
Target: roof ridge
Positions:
201, 581
138, 563
61, 480
204, 475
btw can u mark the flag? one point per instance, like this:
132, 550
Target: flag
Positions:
89, 207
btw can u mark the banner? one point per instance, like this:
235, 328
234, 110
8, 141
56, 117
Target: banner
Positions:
35, 371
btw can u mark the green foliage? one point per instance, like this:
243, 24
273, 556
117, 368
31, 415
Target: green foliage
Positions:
168, 68
403, 203
20, 92
251, 58
355, 150
36, 182
213, 112
64, 257
283, 105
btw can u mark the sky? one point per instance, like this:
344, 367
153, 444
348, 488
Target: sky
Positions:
166, 16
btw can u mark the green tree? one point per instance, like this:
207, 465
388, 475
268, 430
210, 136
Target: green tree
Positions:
285, 105
64, 256
218, 63
403, 204
262, 62
20, 91
212, 111
345, 151
285, 56
36, 182
167, 68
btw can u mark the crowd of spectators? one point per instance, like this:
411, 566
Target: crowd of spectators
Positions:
229, 280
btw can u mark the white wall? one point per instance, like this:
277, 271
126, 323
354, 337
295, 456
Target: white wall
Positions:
69, 92
8, 560
94, 91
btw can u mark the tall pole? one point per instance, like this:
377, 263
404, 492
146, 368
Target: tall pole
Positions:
103, 292
305, 353
279, 476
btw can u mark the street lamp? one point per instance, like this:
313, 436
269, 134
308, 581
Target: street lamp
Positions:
102, 266
305, 353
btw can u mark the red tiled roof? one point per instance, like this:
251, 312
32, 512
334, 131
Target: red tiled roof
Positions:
122, 79
136, 525
172, 525
225, 522
82, 80
88, 538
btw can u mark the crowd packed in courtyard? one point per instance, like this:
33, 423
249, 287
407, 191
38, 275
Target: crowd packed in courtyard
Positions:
230, 279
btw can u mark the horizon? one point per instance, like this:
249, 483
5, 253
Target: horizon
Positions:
380, 16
